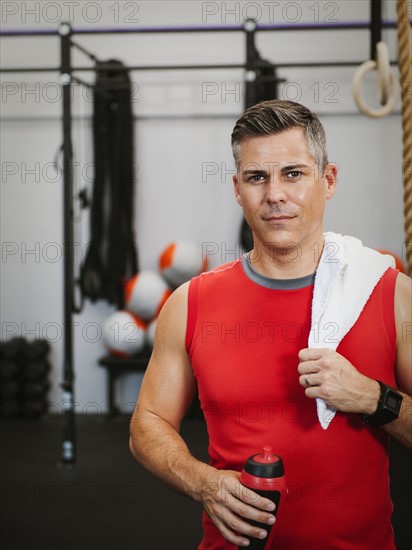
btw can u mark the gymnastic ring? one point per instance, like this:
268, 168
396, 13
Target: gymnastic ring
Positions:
360, 72
384, 72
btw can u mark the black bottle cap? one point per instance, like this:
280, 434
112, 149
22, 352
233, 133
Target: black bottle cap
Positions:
266, 465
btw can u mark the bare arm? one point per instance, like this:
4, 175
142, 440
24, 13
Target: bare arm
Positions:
167, 390
401, 429
340, 384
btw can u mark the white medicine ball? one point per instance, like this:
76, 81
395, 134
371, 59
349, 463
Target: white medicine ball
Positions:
181, 261
124, 334
145, 294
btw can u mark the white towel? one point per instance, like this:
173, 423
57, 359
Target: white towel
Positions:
346, 276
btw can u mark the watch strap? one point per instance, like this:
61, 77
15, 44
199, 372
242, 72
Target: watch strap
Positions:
385, 411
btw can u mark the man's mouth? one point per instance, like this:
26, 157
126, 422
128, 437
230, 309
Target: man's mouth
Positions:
278, 218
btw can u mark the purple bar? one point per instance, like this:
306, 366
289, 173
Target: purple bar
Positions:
205, 28
228, 28
18, 32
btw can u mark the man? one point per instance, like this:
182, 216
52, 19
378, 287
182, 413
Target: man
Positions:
240, 335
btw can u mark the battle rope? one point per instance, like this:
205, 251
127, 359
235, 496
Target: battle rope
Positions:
111, 258
405, 71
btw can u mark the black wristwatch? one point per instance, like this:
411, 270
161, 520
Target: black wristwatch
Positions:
389, 405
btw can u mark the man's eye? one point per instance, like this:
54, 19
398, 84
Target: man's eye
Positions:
294, 174
256, 178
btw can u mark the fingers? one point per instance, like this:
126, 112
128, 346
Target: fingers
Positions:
327, 374
309, 374
309, 381
242, 505
231, 505
310, 368
248, 497
234, 528
313, 354
312, 362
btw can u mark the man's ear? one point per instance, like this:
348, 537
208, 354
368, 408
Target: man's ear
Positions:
330, 178
236, 189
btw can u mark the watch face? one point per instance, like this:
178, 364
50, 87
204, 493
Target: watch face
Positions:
388, 407
393, 403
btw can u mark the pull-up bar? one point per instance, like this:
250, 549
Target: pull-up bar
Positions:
142, 68
344, 25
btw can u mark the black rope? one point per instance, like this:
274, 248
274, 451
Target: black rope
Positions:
112, 257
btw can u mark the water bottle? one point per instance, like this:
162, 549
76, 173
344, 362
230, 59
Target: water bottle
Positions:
264, 474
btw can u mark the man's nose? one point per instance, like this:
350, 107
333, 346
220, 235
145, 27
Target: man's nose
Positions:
276, 190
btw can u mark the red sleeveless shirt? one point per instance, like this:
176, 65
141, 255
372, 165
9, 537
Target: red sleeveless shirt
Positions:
243, 339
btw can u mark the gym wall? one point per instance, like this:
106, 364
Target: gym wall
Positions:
183, 158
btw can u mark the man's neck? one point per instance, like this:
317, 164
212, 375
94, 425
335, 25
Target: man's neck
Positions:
291, 262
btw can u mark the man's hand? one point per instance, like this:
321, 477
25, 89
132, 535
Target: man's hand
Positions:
327, 374
230, 504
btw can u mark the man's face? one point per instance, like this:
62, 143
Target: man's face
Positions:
281, 191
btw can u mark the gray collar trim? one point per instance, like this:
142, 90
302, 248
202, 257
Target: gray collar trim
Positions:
276, 284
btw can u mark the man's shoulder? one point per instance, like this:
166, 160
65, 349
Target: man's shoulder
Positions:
222, 269
220, 273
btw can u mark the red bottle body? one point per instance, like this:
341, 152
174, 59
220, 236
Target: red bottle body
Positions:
264, 474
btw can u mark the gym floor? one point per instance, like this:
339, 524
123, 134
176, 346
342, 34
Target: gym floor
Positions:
107, 501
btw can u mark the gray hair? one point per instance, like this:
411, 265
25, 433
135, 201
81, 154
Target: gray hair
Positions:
276, 116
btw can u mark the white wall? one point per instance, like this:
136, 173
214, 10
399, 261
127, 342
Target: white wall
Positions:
182, 148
